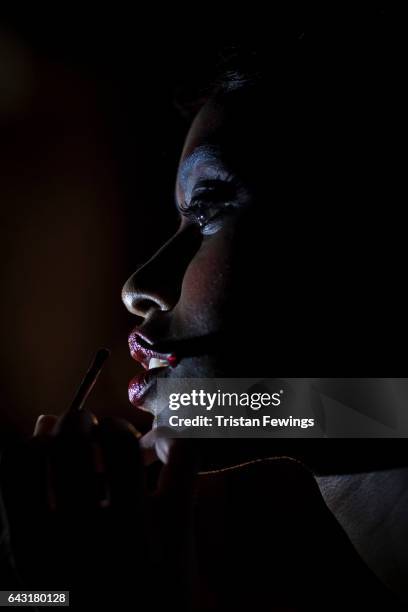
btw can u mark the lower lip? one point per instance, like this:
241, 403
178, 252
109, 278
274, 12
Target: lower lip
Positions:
141, 384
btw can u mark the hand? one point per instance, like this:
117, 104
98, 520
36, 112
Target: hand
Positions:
80, 516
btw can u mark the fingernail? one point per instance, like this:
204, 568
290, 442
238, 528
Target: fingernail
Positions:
44, 424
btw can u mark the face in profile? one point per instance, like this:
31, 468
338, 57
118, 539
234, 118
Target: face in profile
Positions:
243, 288
205, 293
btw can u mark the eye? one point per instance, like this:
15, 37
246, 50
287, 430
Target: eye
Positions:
204, 212
209, 204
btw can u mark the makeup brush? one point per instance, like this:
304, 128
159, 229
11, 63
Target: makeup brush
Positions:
76, 418
89, 380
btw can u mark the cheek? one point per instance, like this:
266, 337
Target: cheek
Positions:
207, 282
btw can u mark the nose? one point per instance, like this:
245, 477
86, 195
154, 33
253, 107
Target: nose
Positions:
156, 285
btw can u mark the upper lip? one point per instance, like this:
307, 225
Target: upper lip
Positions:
139, 345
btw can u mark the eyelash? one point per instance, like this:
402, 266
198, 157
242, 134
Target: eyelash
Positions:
200, 205
198, 210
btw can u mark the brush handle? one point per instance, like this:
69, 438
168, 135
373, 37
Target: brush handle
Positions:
89, 380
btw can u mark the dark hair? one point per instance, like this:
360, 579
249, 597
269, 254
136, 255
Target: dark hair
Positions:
237, 68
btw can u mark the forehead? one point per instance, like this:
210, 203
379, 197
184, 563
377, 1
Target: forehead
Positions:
206, 127
226, 119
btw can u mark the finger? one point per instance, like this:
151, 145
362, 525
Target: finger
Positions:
121, 465
155, 446
98, 478
148, 448
73, 473
179, 471
45, 424
179, 458
72, 477
75, 422
126, 526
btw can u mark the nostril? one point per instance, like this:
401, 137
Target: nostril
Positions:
139, 304
143, 306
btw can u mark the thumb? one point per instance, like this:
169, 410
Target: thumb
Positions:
179, 458
45, 424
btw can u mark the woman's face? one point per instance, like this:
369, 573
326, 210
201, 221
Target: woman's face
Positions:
208, 280
238, 269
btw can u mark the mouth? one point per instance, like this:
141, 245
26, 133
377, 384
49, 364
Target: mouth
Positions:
157, 358
154, 364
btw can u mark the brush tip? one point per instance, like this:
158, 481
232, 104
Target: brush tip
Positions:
102, 355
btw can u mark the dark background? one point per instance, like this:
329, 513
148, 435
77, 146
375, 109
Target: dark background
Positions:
91, 131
